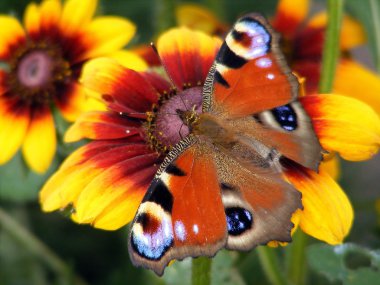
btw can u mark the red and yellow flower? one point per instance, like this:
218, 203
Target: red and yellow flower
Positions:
43, 62
303, 42
105, 180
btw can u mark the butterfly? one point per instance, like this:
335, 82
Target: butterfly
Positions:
222, 185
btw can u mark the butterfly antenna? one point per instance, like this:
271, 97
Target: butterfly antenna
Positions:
168, 74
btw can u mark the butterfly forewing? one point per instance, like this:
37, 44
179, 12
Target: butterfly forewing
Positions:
250, 73
251, 85
182, 215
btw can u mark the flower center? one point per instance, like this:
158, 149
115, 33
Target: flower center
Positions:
168, 124
35, 69
37, 72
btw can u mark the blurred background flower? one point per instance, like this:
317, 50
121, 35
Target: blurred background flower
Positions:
37, 248
42, 64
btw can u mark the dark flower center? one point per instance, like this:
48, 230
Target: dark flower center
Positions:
35, 69
168, 125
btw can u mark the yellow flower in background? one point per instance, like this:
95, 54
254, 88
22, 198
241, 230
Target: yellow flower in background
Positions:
43, 61
303, 42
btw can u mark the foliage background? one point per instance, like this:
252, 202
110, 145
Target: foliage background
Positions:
99, 257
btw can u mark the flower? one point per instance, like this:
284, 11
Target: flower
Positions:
303, 43
105, 180
43, 63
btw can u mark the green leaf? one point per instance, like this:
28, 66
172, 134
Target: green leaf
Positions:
223, 271
348, 263
364, 13
18, 183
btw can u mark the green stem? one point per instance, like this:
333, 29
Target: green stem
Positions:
331, 45
375, 12
270, 265
201, 271
32, 244
296, 258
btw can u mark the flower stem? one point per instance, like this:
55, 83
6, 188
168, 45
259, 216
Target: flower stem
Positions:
331, 45
201, 271
296, 258
270, 265
32, 244
375, 12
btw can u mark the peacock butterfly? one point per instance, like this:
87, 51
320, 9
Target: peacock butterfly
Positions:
222, 185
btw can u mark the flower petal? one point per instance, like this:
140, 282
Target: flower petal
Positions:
354, 80
32, 18
122, 185
106, 76
331, 165
71, 101
11, 35
187, 55
77, 14
14, 122
327, 213
102, 125
310, 70
129, 59
3, 82
345, 125
148, 54
81, 167
197, 17
40, 143
50, 14
352, 33
105, 35
289, 16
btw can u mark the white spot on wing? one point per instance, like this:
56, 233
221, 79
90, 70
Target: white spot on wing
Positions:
264, 62
179, 230
195, 229
270, 76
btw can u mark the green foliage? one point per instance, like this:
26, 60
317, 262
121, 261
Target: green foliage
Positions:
19, 183
349, 263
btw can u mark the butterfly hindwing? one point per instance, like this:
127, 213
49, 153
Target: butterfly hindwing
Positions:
182, 214
258, 204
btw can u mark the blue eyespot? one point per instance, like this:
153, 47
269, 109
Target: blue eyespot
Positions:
151, 238
238, 220
286, 117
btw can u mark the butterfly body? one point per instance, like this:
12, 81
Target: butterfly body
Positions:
222, 185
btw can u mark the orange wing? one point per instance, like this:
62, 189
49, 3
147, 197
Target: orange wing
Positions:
258, 203
182, 214
250, 74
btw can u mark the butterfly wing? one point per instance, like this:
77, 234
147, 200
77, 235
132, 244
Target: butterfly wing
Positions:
250, 74
182, 214
251, 83
258, 204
